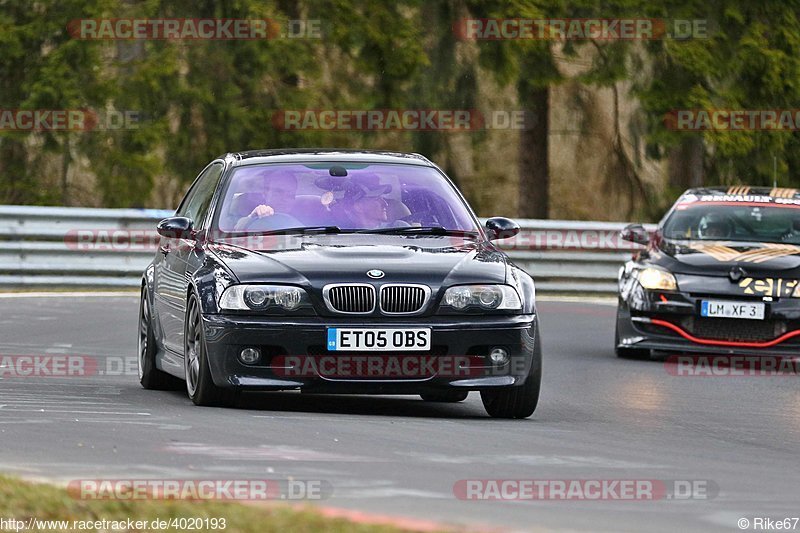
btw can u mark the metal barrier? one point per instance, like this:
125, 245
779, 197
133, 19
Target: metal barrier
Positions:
81, 247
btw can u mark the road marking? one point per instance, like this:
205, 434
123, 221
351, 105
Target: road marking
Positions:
599, 300
528, 460
728, 518
157, 425
391, 492
258, 453
73, 412
56, 402
36, 348
86, 294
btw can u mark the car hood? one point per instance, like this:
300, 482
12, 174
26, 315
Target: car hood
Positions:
718, 258
317, 260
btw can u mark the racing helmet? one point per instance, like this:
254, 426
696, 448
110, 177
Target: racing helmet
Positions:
714, 226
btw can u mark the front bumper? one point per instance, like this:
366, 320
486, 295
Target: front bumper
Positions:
671, 322
465, 339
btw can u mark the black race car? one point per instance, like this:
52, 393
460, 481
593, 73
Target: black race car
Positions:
337, 272
719, 275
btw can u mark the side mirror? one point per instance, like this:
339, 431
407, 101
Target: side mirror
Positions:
635, 233
176, 228
501, 228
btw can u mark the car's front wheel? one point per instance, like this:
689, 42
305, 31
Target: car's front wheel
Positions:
516, 402
199, 385
446, 397
149, 375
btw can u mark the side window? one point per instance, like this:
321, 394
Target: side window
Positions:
197, 202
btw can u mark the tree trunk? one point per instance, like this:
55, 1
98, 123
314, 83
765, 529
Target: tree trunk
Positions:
686, 164
14, 182
65, 160
534, 165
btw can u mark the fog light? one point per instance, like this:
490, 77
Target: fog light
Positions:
249, 356
498, 356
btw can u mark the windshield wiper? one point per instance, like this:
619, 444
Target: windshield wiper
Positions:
421, 230
302, 229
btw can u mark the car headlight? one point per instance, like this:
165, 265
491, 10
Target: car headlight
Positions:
656, 279
465, 298
275, 298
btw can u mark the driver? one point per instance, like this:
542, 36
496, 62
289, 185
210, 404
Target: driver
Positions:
278, 197
715, 226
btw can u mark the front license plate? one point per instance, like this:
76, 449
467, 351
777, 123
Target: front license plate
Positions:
721, 309
384, 340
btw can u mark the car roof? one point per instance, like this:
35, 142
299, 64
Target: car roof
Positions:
289, 155
746, 190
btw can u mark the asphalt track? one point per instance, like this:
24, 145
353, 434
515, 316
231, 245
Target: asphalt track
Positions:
599, 418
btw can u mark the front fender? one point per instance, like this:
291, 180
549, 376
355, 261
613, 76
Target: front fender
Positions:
209, 282
524, 284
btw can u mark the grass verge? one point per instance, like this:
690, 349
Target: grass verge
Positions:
23, 500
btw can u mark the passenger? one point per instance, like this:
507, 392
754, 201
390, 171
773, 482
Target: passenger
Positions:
364, 205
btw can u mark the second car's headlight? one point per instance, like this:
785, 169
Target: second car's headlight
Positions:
656, 279
463, 298
275, 298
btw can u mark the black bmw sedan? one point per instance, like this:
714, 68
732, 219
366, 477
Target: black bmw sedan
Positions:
337, 271
721, 274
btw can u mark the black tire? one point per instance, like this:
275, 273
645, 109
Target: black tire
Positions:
446, 397
200, 386
516, 402
150, 376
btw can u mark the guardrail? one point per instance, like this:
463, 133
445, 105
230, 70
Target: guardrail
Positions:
106, 248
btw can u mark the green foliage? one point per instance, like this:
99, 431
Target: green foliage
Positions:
750, 61
198, 99
43, 68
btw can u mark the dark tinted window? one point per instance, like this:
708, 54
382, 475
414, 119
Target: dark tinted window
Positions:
750, 223
195, 205
351, 196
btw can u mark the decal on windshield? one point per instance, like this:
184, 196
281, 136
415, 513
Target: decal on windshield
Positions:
766, 252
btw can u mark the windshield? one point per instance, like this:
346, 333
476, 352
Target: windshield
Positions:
346, 196
735, 223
